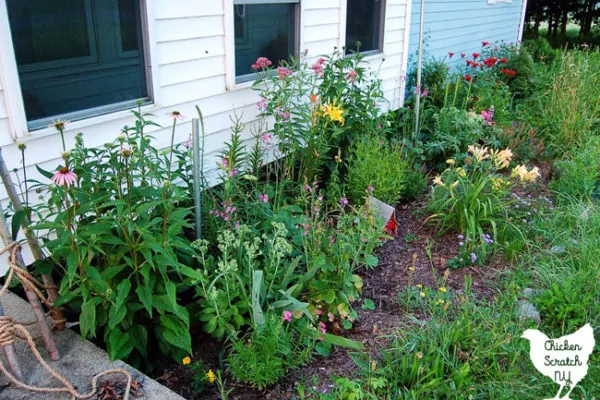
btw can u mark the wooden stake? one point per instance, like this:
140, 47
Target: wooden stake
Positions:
57, 313
36, 305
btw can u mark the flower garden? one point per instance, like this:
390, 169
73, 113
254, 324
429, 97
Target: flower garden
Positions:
297, 288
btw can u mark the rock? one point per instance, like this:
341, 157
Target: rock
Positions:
557, 249
526, 310
529, 293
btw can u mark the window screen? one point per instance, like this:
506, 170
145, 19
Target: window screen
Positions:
75, 55
364, 25
263, 29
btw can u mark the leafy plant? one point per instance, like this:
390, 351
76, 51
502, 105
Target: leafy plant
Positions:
116, 224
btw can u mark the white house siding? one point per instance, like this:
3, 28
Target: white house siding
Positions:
191, 46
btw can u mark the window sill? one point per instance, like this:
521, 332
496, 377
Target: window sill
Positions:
84, 123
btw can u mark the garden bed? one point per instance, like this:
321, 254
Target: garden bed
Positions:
384, 285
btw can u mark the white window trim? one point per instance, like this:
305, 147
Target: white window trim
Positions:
498, 1
11, 86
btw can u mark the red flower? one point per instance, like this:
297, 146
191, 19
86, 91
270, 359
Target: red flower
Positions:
475, 56
508, 72
462, 55
469, 62
475, 64
261, 63
490, 61
504, 60
450, 54
485, 44
468, 78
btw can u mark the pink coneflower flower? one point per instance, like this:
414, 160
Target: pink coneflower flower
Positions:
287, 316
64, 177
344, 201
176, 115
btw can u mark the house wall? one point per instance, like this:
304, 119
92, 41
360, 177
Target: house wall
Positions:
460, 26
192, 63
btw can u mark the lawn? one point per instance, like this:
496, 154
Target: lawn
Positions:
296, 290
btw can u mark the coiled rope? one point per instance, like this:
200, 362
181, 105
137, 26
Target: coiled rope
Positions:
10, 331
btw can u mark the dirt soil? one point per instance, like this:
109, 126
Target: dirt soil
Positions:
382, 284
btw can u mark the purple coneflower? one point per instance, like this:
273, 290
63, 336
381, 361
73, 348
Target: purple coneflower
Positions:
64, 177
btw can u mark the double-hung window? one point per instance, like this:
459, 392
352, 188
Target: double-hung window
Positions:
364, 25
78, 58
263, 28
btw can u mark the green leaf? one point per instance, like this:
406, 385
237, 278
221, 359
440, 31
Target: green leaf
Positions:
171, 294
175, 332
87, 318
371, 261
43, 172
257, 312
116, 315
341, 341
145, 295
139, 335
17, 222
122, 292
368, 304
119, 344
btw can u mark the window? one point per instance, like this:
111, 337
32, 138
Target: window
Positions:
263, 28
75, 55
364, 25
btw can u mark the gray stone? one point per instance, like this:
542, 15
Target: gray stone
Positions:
529, 293
557, 249
526, 310
80, 361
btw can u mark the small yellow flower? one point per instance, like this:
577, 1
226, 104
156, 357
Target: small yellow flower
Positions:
186, 361
443, 289
419, 355
412, 269
450, 161
525, 175
210, 375
438, 181
422, 294
419, 286
439, 301
461, 172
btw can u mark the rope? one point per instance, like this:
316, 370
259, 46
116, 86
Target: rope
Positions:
10, 331
7, 336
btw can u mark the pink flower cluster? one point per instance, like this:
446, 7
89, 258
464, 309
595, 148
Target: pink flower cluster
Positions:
263, 197
488, 116
282, 114
261, 63
351, 77
262, 104
227, 213
283, 72
231, 172
317, 67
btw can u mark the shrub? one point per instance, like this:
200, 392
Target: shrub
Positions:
379, 166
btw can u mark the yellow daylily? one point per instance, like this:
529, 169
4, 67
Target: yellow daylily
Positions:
334, 112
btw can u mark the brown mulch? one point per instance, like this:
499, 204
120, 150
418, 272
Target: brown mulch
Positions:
381, 284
